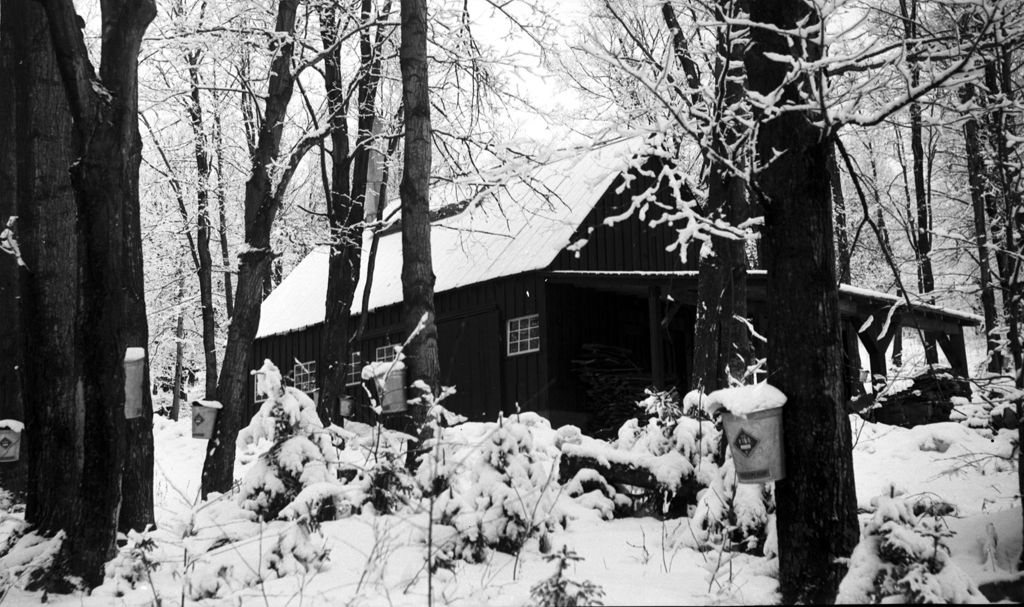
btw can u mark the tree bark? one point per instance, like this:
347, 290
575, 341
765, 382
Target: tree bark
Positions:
417, 265
839, 204
52, 370
137, 483
1004, 215
104, 112
817, 515
12, 476
262, 201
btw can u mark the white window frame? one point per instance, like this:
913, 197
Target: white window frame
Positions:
256, 390
520, 333
307, 372
385, 354
354, 373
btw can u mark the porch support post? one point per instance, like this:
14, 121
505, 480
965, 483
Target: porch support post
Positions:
955, 349
654, 329
852, 360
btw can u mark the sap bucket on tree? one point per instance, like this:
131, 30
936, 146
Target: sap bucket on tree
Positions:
204, 416
134, 368
752, 420
346, 406
10, 439
389, 383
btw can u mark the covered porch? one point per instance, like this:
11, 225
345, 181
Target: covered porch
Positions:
871, 322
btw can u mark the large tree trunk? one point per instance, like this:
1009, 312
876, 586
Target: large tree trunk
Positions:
105, 176
979, 202
12, 476
262, 200
417, 265
817, 508
52, 373
137, 484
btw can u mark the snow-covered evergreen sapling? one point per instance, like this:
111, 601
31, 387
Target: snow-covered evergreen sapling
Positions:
560, 591
302, 458
903, 557
496, 495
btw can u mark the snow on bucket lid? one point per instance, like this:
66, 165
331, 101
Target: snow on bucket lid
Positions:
11, 424
134, 354
744, 400
209, 404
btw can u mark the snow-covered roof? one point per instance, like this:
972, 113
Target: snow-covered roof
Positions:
522, 227
917, 305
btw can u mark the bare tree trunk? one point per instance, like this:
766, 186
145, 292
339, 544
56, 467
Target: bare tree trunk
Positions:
52, 371
222, 217
979, 195
1005, 210
262, 200
817, 506
345, 209
923, 247
205, 269
722, 344
417, 265
179, 349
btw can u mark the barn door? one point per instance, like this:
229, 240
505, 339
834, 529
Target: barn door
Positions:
470, 355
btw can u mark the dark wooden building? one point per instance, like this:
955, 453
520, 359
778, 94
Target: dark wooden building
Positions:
533, 286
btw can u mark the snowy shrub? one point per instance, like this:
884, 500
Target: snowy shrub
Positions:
30, 560
302, 453
391, 486
133, 564
495, 493
228, 548
560, 591
724, 512
903, 557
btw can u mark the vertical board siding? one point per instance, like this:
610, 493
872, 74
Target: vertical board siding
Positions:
630, 245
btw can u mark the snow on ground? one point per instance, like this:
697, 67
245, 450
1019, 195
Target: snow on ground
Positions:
377, 560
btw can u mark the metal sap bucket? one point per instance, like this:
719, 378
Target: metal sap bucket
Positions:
134, 367
756, 445
346, 406
10, 440
204, 417
392, 393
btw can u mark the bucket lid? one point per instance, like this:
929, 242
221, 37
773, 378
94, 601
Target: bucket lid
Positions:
11, 424
134, 354
209, 404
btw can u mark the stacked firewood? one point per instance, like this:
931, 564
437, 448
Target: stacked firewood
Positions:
613, 384
928, 400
